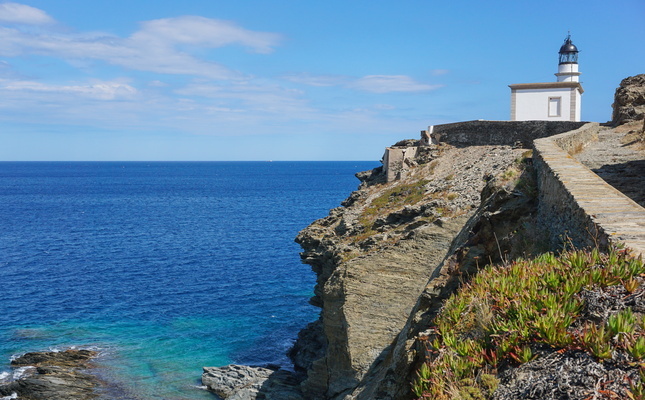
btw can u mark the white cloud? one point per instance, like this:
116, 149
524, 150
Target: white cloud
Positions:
156, 47
202, 31
384, 107
98, 90
317, 80
23, 14
257, 98
391, 83
370, 83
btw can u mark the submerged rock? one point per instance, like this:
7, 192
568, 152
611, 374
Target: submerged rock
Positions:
53, 376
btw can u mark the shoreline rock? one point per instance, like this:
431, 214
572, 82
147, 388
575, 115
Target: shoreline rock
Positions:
54, 376
242, 382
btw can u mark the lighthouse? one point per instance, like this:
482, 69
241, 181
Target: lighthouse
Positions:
551, 101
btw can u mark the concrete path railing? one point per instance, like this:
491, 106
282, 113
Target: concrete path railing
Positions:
576, 203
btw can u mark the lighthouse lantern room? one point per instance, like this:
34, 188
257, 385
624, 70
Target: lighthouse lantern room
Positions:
551, 101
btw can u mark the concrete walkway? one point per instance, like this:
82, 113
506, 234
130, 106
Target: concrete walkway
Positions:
620, 217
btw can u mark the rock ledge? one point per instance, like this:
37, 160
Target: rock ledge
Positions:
241, 382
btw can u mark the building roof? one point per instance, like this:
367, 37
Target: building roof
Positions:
547, 85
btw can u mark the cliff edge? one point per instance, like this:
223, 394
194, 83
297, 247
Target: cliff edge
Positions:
395, 249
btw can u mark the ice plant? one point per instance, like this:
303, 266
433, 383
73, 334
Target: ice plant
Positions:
505, 311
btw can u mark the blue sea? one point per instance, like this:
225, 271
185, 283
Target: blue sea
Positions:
162, 267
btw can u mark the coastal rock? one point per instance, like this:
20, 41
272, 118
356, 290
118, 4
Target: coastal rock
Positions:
54, 376
494, 233
629, 100
240, 382
374, 257
309, 347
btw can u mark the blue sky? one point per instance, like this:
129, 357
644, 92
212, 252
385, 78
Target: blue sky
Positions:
287, 79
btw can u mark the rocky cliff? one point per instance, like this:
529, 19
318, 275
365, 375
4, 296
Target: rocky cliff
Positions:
387, 258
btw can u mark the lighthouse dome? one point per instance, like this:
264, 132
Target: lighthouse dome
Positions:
568, 52
568, 47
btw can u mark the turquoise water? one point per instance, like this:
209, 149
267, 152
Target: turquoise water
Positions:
162, 267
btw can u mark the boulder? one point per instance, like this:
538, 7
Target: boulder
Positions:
629, 100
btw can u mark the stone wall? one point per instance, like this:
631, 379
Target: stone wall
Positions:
510, 133
575, 204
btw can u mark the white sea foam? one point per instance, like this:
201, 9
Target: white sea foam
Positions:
22, 371
14, 395
4, 376
54, 349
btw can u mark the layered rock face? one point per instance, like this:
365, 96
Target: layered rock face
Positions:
386, 259
629, 100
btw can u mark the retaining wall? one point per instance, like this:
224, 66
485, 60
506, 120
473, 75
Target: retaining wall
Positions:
576, 204
510, 133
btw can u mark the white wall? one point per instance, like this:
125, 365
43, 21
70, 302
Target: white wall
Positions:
568, 73
533, 104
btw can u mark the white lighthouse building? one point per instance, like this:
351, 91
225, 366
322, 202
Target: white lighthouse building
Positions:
551, 101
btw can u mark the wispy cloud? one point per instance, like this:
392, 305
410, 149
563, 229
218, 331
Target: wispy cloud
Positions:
265, 98
370, 83
23, 14
318, 80
207, 32
98, 90
391, 83
156, 47
217, 99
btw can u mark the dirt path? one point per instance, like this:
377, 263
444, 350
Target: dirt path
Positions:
621, 165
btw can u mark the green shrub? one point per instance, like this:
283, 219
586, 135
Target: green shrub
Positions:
506, 310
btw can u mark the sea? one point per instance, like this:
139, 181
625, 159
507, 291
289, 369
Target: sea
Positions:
161, 267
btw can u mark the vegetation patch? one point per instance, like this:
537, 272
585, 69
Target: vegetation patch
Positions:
521, 175
508, 314
394, 198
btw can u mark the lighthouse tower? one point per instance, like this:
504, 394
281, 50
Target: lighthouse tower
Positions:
568, 65
551, 101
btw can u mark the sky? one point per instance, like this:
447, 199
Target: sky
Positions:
198, 80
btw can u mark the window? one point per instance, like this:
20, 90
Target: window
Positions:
554, 106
